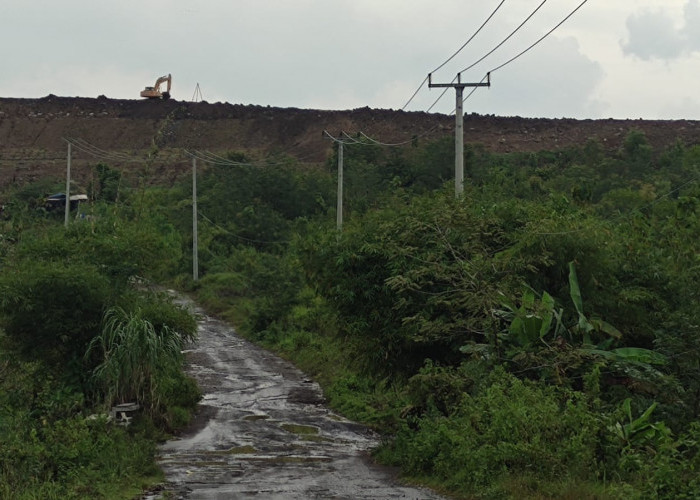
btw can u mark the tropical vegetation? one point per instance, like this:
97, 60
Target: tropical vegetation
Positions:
536, 338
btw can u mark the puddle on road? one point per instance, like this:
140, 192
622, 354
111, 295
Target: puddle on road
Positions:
302, 430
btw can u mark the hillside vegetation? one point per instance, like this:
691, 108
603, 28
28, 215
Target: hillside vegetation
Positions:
537, 338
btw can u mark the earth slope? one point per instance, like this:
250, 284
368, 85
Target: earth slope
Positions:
32, 133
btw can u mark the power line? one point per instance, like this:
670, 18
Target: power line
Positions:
414, 94
470, 38
506, 38
542, 38
625, 215
96, 152
114, 155
493, 70
242, 238
533, 45
373, 142
31, 159
214, 159
539, 40
455, 54
442, 94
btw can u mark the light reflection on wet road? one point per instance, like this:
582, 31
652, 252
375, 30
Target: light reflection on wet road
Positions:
262, 431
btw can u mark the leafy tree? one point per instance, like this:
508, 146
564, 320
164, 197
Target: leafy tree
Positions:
52, 311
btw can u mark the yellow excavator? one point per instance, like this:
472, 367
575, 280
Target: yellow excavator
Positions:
155, 92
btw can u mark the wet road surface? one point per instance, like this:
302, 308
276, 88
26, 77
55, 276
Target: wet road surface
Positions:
262, 431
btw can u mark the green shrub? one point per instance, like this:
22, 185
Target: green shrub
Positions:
510, 427
52, 311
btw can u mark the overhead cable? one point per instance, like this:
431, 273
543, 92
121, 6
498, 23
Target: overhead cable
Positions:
506, 38
414, 94
101, 154
442, 94
109, 154
496, 68
455, 54
532, 45
542, 38
471, 37
32, 159
223, 229
214, 159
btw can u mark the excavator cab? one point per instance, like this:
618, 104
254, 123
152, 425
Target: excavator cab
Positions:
155, 92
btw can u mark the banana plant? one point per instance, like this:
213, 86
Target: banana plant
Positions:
586, 326
538, 319
533, 320
640, 431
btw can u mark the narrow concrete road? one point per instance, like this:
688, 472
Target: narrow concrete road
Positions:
263, 432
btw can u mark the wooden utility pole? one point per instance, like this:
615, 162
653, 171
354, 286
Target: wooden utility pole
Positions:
459, 124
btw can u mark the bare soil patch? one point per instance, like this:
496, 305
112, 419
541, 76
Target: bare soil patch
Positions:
32, 133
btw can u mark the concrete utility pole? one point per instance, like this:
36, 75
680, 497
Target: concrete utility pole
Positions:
68, 186
339, 206
339, 210
459, 124
195, 238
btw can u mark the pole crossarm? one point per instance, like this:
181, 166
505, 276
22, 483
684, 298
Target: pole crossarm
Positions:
459, 83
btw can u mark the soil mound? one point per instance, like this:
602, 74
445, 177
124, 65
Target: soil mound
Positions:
131, 132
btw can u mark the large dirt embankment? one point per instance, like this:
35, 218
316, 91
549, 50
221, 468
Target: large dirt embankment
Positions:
32, 132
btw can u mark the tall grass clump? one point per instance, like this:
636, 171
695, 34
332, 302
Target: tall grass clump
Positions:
133, 353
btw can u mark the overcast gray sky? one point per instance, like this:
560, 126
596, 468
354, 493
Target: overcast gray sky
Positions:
613, 58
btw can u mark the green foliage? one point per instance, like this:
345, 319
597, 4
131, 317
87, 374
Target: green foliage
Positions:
412, 282
51, 449
161, 310
108, 183
527, 272
480, 329
639, 432
119, 249
52, 311
263, 286
508, 427
56, 284
253, 205
533, 320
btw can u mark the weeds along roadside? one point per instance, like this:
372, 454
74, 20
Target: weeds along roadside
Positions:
64, 363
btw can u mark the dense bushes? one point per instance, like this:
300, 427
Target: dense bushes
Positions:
507, 427
77, 334
52, 311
